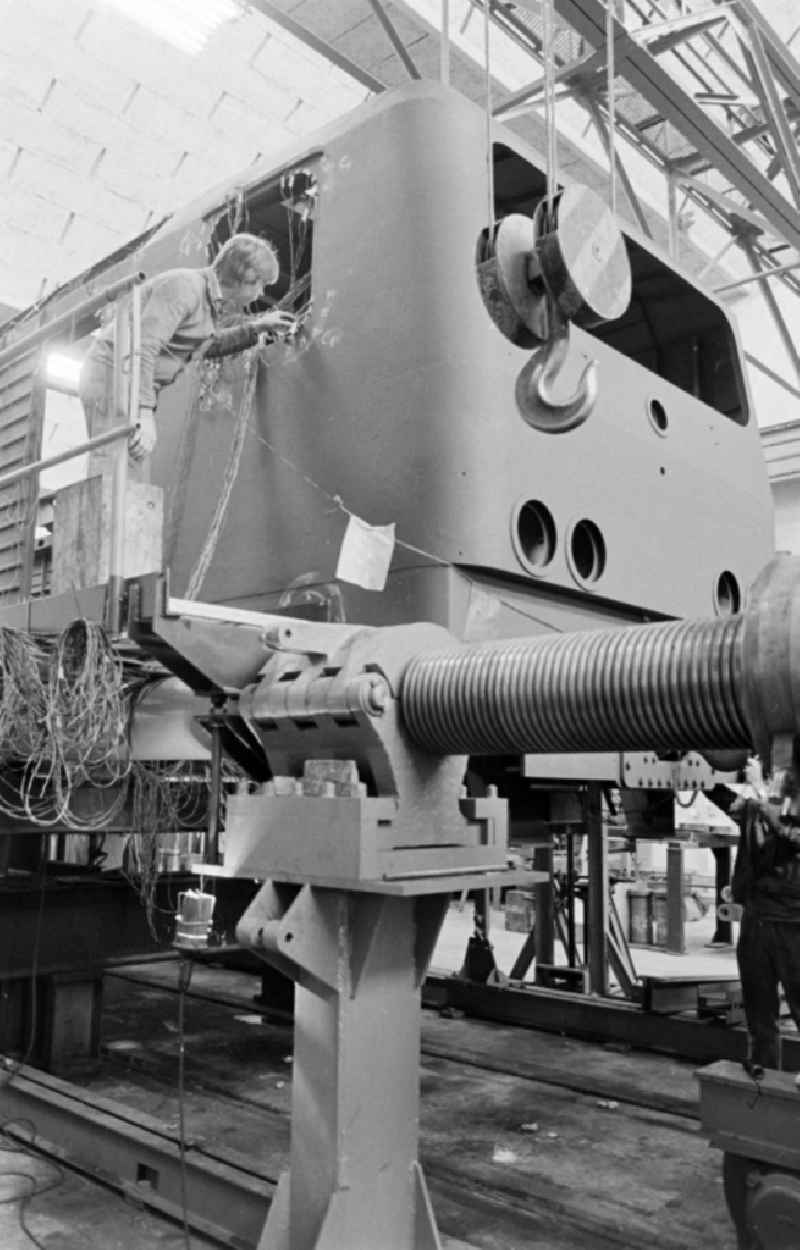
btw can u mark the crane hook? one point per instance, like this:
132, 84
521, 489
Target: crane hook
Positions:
533, 389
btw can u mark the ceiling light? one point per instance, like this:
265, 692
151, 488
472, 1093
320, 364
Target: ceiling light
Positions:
186, 24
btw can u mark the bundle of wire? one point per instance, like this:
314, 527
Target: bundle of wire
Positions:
63, 722
164, 797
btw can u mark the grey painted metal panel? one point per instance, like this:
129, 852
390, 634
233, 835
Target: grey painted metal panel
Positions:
400, 401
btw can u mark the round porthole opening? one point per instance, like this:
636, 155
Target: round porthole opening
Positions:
727, 595
588, 551
534, 532
658, 416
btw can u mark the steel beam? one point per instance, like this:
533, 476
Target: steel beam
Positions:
676, 938
544, 906
758, 277
772, 375
47, 330
597, 903
138, 1155
783, 62
112, 924
752, 1121
597, 1019
321, 46
772, 104
655, 84
573, 73
667, 34
394, 38
723, 201
774, 307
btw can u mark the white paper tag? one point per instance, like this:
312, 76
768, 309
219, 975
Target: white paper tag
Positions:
366, 554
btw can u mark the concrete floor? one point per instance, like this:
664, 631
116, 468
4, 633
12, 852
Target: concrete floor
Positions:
69, 1212
491, 1138
517, 1157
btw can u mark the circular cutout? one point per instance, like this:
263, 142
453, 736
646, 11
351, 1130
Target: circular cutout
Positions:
658, 416
727, 595
533, 532
587, 549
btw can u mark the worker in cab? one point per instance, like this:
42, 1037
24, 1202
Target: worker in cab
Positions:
181, 311
766, 883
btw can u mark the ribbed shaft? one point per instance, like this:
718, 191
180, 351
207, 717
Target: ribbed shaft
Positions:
661, 687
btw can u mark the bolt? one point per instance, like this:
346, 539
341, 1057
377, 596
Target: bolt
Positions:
378, 696
491, 792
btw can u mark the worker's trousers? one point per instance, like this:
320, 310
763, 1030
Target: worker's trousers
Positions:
769, 955
96, 393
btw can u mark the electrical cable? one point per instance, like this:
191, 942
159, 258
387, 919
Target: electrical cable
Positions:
63, 723
37, 1187
229, 477
184, 981
691, 802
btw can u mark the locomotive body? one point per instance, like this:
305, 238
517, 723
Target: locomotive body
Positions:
396, 402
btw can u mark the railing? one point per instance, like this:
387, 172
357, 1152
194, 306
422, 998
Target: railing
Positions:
127, 358
67, 320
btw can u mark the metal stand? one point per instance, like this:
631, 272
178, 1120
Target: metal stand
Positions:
723, 933
597, 906
358, 959
676, 940
544, 905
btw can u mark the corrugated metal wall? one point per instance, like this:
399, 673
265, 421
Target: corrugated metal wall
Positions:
21, 418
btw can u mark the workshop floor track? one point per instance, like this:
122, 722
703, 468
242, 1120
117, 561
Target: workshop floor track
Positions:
529, 1141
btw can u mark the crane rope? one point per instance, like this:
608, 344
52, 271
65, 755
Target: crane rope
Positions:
548, 57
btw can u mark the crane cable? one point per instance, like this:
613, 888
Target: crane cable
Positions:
611, 106
489, 147
548, 57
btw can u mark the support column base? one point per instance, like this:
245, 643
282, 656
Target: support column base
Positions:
342, 1227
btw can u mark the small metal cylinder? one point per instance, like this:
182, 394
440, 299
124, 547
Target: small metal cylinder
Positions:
663, 687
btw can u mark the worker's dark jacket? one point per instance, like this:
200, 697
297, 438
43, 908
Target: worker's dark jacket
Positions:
766, 878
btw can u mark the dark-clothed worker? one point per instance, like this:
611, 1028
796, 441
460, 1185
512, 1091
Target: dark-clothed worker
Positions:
766, 882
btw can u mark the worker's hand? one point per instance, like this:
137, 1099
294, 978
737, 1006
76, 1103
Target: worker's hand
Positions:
276, 321
754, 775
142, 439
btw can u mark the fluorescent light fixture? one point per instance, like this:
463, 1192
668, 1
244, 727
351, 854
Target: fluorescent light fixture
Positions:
62, 371
186, 24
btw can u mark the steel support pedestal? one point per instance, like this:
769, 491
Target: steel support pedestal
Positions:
358, 960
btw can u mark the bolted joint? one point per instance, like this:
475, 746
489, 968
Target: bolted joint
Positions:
378, 696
